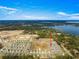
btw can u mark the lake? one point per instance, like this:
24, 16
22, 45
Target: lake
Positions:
67, 28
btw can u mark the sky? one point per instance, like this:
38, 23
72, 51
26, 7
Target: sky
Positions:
39, 9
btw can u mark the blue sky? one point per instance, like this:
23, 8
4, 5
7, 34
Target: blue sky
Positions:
39, 9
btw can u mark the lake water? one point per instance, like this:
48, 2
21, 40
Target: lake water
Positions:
68, 29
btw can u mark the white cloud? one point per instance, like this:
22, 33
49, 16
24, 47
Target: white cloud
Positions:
60, 16
11, 12
75, 17
35, 17
26, 17
68, 16
63, 14
7, 10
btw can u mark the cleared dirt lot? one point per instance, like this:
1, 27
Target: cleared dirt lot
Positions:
38, 46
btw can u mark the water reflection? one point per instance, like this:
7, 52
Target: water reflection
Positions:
68, 28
